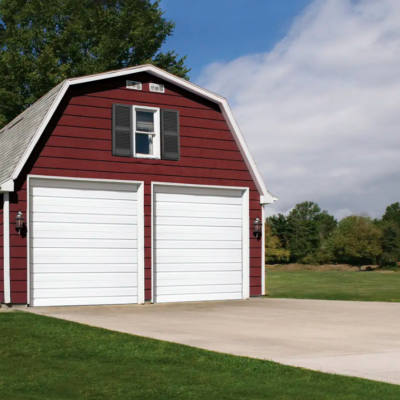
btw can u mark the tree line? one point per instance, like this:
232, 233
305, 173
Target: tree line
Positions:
310, 235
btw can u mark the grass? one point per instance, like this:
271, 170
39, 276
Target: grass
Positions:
334, 285
45, 358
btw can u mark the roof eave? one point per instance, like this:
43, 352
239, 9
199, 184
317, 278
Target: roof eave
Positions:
7, 186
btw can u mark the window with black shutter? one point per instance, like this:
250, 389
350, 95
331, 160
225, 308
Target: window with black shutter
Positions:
145, 132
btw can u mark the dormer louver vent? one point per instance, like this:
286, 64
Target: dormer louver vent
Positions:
157, 87
134, 85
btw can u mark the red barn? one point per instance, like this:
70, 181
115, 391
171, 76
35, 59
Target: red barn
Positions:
133, 185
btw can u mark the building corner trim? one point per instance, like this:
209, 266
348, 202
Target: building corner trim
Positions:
6, 241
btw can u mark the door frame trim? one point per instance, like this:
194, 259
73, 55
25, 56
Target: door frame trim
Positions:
245, 231
140, 227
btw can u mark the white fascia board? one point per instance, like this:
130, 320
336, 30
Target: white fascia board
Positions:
269, 199
226, 111
7, 186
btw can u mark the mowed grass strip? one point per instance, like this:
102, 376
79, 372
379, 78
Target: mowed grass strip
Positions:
45, 358
334, 285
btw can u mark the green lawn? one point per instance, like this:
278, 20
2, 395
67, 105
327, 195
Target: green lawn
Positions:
334, 285
45, 358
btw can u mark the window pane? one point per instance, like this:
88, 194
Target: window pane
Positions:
144, 121
144, 144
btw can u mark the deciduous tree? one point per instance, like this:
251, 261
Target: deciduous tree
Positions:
45, 42
356, 241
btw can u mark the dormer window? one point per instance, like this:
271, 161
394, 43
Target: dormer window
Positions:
145, 132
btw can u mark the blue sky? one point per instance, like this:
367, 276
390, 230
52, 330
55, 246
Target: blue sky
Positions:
209, 31
315, 88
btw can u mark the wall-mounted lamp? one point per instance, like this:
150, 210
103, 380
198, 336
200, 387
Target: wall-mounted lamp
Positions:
19, 222
257, 228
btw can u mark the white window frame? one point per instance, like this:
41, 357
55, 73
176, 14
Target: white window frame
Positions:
157, 132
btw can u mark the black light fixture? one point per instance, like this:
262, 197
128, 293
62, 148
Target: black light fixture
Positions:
19, 222
257, 228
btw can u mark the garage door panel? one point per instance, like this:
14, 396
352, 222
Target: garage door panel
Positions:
94, 280
84, 292
83, 240
199, 244
193, 221
41, 201
199, 289
82, 260
162, 206
85, 301
194, 253
215, 237
52, 209
198, 278
94, 243
199, 214
199, 297
202, 191
204, 268
83, 218
199, 233
177, 198
76, 234
82, 268
87, 229
84, 252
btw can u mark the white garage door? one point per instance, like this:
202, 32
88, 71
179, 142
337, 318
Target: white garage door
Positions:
83, 243
198, 244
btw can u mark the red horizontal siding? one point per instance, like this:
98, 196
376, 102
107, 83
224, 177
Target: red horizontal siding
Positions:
102, 155
77, 143
106, 104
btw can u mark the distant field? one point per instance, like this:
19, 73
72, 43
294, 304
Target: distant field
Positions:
333, 285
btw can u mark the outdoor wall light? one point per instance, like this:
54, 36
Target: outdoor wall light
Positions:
257, 228
19, 222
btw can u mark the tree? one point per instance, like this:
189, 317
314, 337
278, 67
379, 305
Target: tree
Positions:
279, 227
392, 214
325, 225
274, 252
390, 242
302, 228
356, 241
44, 42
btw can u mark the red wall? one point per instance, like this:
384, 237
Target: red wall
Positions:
77, 143
1, 252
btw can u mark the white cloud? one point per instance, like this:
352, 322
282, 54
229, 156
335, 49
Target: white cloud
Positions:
321, 111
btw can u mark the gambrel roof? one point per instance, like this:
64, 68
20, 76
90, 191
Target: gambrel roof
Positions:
20, 136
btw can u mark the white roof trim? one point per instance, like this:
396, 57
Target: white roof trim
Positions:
266, 197
7, 186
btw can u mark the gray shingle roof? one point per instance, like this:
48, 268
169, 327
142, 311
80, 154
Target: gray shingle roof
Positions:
17, 135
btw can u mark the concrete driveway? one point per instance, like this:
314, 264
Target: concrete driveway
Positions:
349, 338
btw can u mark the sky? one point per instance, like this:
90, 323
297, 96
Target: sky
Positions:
315, 87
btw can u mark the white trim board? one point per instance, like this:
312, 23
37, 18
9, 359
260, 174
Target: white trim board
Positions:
6, 244
140, 226
245, 195
265, 196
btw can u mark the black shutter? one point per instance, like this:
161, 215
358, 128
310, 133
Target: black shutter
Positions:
122, 130
170, 148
